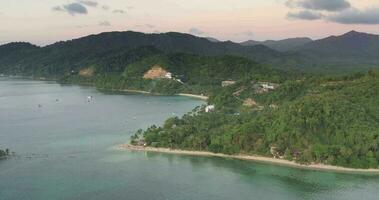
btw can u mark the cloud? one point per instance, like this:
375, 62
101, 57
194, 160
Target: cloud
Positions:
88, 3
119, 11
325, 5
57, 8
368, 16
75, 8
72, 9
355, 16
105, 7
105, 23
305, 15
196, 31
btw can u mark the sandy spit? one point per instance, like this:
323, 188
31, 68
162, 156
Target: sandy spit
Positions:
314, 166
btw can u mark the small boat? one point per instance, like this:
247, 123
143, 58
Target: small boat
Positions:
89, 98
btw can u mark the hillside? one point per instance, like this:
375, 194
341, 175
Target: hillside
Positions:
63, 57
13, 54
339, 54
352, 50
333, 121
352, 44
280, 45
189, 72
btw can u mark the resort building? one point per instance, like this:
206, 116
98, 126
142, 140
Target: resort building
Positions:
227, 83
209, 108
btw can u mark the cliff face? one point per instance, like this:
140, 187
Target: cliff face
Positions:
156, 72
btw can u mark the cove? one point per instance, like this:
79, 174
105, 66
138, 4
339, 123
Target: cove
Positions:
64, 150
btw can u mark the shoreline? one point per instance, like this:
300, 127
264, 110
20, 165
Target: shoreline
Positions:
195, 96
261, 159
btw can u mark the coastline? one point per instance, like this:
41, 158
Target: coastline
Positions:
196, 96
261, 159
201, 97
133, 91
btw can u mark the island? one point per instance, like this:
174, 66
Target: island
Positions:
4, 153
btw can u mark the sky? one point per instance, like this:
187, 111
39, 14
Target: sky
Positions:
44, 22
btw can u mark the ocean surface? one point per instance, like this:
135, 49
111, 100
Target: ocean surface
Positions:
64, 149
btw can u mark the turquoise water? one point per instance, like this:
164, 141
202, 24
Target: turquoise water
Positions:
64, 151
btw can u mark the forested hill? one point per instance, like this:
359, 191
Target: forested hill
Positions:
353, 45
331, 120
280, 45
77, 53
352, 51
190, 73
171, 42
118, 61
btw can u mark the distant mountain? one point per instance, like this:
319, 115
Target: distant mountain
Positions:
72, 55
16, 48
212, 39
352, 44
13, 55
352, 50
280, 45
167, 42
251, 43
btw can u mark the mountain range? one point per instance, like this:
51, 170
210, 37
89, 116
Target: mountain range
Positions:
280, 45
351, 51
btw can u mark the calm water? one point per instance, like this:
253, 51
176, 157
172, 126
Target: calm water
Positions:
64, 151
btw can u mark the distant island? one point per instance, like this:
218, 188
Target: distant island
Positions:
4, 153
310, 102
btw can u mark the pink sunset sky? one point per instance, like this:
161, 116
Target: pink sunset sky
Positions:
46, 21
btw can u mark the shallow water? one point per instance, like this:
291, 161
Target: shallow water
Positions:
64, 151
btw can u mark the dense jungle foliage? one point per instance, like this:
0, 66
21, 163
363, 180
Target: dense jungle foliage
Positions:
330, 120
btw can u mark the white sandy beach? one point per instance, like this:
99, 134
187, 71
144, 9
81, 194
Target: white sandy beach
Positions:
262, 159
202, 97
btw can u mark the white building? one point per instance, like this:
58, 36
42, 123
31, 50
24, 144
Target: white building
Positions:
268, 86
168, 75
209, 108
227, 83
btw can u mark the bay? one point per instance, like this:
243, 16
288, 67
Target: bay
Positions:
64, 149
